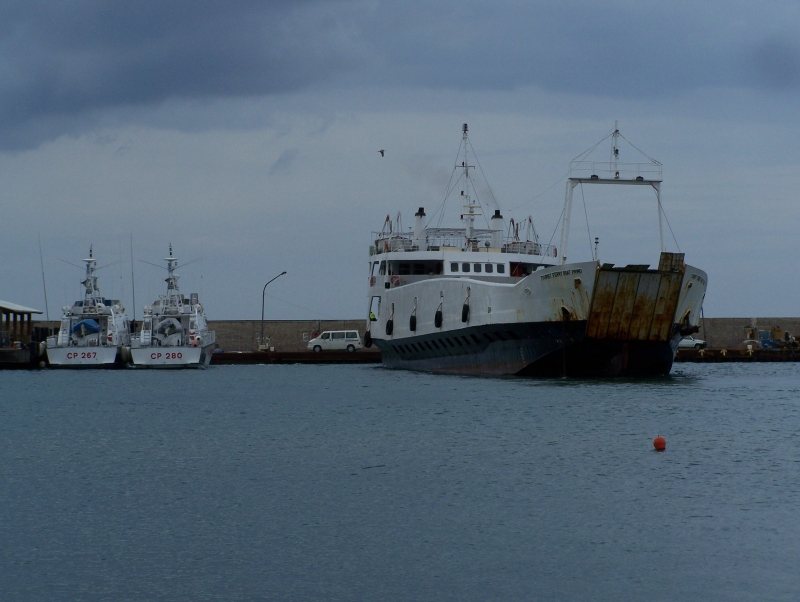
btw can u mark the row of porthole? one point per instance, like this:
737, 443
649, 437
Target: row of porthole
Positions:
437, 319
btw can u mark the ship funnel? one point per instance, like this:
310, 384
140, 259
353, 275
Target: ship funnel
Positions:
419, 225
497, 229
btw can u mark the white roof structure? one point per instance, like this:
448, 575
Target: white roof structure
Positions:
18, 309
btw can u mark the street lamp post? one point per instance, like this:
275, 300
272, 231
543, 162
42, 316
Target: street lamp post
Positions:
264, 292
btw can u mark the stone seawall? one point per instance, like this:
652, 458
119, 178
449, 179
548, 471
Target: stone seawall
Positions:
293, 335
728, 333
283, 335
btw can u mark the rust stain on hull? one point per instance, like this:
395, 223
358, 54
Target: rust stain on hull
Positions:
636, 304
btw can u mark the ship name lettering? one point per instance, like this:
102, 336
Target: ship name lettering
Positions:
698, 278
562, 273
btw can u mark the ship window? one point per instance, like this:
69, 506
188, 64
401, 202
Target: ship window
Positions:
489, 268
382, 271
477, 267
419, 269
501, 268
454, 267
374, 269
465, 267
522, 269
405, 269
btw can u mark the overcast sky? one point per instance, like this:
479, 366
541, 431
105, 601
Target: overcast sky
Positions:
247, 133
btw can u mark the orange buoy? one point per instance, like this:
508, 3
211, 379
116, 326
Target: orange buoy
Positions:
660, 443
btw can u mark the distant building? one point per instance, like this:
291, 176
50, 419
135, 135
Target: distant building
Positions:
15, 324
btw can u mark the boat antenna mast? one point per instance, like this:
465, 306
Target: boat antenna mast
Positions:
173, 293
92, 293
469, 206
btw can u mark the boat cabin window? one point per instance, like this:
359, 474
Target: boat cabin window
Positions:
374, 270
519, 270
454, 267
501, 268
420, 268
489, 268
383, 268
465, 267
477, 267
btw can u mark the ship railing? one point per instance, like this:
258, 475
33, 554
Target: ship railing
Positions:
610, 170
442, 238
386, 244
530, 248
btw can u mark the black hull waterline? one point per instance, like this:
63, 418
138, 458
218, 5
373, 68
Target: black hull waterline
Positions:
545, 349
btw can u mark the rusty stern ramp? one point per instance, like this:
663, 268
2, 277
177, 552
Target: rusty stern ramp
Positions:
636, 318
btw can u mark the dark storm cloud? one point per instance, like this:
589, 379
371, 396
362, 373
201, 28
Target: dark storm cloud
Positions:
609, 48
63, 65
62, 61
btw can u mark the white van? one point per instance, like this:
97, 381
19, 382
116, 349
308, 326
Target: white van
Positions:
336, 340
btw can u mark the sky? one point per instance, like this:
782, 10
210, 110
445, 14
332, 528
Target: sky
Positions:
246, 134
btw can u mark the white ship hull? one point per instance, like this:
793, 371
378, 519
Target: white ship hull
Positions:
473, 301
87, 357
574, 319
172, 357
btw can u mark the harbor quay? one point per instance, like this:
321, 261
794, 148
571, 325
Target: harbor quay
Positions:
279, 335
286, 341
293, 335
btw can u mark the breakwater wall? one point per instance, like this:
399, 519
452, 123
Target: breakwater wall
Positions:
283, 335
728, 333
293, 335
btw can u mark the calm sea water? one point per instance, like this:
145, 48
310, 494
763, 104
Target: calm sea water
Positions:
359, 483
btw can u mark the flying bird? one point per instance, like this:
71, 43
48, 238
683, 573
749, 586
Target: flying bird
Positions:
381, 152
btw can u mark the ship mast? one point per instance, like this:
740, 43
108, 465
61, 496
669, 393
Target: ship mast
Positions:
92, 290
584, 171
173, 293
469, 216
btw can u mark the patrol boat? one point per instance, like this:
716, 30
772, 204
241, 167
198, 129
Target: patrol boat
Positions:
94, 332
174, 331
496, 302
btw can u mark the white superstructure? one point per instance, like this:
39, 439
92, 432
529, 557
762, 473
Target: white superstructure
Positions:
174, 331
499, 301
94, 331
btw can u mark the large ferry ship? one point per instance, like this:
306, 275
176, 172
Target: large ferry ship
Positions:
497, 301
94, 331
